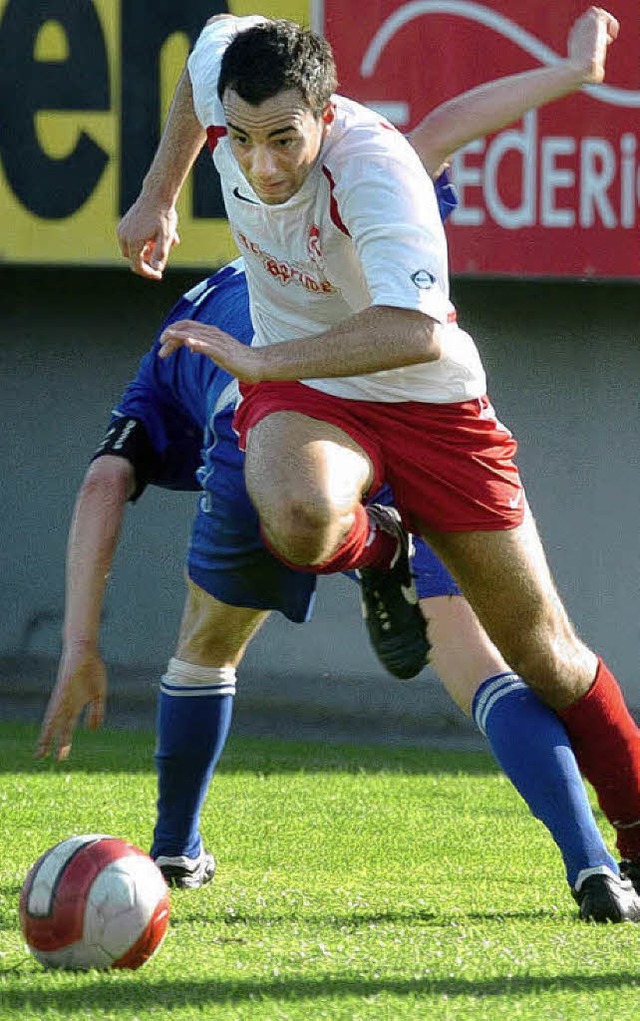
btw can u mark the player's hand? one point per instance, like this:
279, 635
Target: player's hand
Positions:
241, 361
81, 683
146, 235
588, 42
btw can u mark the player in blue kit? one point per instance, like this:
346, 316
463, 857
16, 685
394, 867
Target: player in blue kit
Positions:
234, 581
173, 422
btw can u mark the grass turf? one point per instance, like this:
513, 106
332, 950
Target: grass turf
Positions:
354, 884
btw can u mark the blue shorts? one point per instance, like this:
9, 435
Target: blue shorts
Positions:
229, 562
227, 557
431, 576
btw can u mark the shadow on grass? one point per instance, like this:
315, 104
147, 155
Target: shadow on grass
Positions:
225, 926
170, 995
353, 920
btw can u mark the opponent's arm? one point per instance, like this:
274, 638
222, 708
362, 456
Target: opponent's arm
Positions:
93, 539
493, 105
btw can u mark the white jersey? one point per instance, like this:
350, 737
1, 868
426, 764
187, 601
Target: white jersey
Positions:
364, 229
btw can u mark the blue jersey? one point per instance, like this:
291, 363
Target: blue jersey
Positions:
176, 398
185, 404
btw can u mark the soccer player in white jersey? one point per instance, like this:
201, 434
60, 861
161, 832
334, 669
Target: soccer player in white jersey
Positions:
173, 428
349, 294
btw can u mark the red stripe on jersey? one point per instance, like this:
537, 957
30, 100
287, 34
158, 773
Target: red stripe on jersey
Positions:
333, 205
452, 316
214, 134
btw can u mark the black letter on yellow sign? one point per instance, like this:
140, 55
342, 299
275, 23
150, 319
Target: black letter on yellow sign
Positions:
146, 25
50, 187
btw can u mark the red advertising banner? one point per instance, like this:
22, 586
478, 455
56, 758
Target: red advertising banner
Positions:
558, 193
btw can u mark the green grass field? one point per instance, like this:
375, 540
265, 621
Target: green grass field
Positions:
354, 883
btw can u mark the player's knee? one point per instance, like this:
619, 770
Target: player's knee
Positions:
302, 531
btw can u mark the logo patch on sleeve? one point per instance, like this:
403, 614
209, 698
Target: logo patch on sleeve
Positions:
423, 279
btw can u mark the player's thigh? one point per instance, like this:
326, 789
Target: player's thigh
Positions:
505, 577
212, 633
462, 654
296, 460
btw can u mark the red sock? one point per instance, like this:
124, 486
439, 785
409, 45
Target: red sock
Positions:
606, 743
366, 545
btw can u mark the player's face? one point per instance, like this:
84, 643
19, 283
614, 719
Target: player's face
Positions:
275, 143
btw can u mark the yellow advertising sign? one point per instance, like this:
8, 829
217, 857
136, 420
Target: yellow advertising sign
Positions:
85, 85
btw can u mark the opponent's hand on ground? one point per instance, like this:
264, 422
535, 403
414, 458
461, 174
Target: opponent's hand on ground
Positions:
81, 683
588, 42
146, 235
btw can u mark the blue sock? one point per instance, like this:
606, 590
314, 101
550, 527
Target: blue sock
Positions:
194, 716
531, 744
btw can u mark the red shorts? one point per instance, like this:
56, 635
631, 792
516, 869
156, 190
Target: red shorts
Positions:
449, 465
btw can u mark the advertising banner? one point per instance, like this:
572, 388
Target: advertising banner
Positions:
84, 88
555, 195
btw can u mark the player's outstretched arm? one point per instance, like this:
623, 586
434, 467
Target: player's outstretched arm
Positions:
493, 105
93, 539
148, 230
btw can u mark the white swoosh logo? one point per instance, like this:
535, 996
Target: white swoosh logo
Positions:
504, 26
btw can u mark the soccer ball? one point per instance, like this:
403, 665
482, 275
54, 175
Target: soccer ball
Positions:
94, 901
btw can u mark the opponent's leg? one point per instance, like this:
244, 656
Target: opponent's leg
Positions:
526, 737
507, 581
307, 477
194, 716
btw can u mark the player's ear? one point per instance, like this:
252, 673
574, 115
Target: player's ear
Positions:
328, 115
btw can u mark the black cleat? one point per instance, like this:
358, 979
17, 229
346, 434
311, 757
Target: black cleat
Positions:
631, 870
605, 897
397, 629
187, 873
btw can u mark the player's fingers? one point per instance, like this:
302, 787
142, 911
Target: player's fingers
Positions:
159, 255
43, 746
611, 24
169, 342
65, 734
49, 728
613, 27
199, 346
142, 267
95, 714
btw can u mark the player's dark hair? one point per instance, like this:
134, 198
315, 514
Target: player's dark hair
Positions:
269, 58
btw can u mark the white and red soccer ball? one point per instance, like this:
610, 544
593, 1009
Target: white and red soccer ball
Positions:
94, 901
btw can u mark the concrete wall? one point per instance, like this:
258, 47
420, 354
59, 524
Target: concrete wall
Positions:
563, 363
